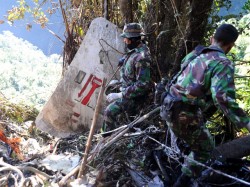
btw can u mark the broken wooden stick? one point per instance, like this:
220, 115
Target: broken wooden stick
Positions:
92, 130
130, 125
66, 177
36, 171
10, 167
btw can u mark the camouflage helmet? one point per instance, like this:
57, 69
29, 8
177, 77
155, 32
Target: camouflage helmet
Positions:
132, 30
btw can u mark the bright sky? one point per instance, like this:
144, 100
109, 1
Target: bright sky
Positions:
44, 40
39, 37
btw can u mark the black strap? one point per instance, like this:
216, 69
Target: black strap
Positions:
197, 51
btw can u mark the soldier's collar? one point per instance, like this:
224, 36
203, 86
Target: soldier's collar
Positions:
131, 51
137, 49
216, 47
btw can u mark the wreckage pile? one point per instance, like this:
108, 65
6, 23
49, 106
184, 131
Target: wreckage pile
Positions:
136, 154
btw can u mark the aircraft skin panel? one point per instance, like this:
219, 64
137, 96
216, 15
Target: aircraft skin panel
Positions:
70, 108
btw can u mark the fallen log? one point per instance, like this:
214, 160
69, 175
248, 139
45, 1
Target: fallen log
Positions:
237, 148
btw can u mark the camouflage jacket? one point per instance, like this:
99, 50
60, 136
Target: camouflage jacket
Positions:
135, 72
209, 79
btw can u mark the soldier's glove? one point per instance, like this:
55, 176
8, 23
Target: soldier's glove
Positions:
121, 61
114, 96
112, 87
113, 82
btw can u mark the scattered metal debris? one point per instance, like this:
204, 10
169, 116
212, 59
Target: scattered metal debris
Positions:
136, 154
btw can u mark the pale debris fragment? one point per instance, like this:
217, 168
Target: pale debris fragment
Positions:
63, 163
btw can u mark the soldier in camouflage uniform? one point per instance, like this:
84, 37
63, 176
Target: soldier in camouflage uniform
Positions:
206, 79
135, 76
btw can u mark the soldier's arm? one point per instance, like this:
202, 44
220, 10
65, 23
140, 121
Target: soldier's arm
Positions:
142, 83
223, 94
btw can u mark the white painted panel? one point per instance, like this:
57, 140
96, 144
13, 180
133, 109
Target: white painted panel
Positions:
71, 107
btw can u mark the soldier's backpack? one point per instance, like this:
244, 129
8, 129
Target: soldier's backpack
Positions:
167, 102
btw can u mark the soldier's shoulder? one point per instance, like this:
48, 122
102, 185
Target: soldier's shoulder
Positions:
219, 57
143, 51
142, 48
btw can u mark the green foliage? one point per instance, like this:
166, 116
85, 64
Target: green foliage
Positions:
246, 7
240, 54
216, 18
37, 78
28, 9
16, 112
27, 75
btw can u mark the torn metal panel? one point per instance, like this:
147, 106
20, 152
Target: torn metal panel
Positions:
71, 107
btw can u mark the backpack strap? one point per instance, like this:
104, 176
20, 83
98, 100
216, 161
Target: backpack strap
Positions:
197, 51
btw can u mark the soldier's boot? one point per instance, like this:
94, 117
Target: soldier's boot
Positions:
183, 181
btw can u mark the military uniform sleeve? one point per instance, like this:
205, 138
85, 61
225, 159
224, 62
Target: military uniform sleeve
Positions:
223, 93
142, 82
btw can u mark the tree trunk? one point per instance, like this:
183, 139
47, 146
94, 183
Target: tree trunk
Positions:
126, 10
195, 29
106, 7
181, 25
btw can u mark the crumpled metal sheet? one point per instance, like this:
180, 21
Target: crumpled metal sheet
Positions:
63, 163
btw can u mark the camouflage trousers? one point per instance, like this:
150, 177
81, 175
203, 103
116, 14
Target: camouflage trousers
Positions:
187, 123
114, 109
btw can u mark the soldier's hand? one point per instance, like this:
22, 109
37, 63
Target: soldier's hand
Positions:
113, 82
121, 61
114, 96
